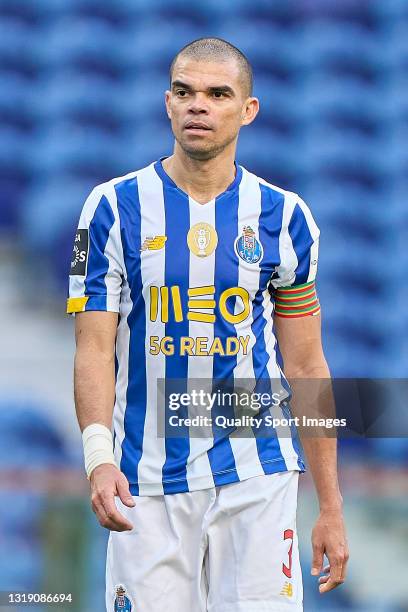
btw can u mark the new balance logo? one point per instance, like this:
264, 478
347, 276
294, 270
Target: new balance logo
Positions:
153, 243
287, 590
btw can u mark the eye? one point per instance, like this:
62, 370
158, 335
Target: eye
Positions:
181, 93
218, 94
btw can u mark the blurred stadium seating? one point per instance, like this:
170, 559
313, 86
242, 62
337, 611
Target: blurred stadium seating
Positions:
82, 100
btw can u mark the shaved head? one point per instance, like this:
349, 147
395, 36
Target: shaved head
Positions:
217, 50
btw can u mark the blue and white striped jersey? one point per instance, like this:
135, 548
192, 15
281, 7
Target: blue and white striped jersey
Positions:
193, 286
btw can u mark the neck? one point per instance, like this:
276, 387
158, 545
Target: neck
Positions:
202, 180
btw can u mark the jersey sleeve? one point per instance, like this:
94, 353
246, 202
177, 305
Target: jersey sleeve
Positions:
293, 283
96, 273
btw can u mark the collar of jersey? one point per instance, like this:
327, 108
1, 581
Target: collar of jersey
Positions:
158, 166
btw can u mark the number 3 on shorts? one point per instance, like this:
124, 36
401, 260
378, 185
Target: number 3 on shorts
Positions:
287, 569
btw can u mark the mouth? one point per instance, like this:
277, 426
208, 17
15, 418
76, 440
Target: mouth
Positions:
196, 127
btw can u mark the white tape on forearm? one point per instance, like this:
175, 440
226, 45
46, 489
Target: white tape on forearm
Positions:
98, 447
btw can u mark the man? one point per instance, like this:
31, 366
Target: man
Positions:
177, 273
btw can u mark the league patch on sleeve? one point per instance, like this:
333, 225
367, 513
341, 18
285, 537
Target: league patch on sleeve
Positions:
80, 253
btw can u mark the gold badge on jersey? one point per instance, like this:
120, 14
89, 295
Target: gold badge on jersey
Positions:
202, 239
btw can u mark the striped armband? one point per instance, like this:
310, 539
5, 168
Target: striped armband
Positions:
298, 301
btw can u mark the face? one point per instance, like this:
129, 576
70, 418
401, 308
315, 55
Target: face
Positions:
207, 106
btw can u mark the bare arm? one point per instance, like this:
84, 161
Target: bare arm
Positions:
94, 369
94, 386
306, 368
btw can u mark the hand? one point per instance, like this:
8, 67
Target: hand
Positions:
329, 537
107, 481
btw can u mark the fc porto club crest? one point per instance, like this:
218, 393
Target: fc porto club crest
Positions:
122, 602
248, 247
202, 239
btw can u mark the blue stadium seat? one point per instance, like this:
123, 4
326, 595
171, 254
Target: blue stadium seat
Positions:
25, 571
15, 515
397, 199
271, 155
281, 13
360, 267
140, 98
269, 48
34, 10
12, 147
14, 34
65, 146
325, 94
13, 92
68, 196
144, 49
395, 101
322, 44
70, 94
32, 437
329, 154
56, 233
348, 204
397, 153
143, 143
393, 450
115, 12
392, 10
72, 39
354, 350
396, 51
198, 12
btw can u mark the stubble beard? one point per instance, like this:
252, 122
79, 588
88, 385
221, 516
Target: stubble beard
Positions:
204, 154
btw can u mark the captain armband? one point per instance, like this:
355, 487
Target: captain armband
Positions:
298, 301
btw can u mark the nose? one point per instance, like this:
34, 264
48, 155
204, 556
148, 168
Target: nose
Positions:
199, 104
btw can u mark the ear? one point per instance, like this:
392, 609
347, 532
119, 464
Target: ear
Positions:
249, 110
167, 99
